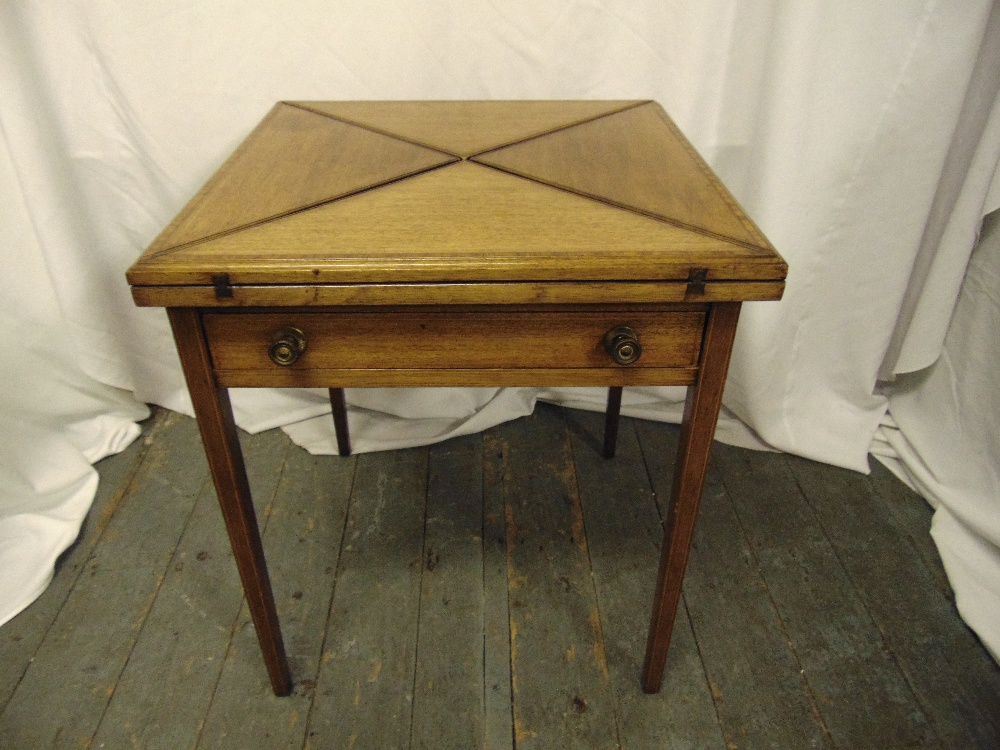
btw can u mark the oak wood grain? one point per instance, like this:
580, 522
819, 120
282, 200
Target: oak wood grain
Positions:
462, 222
552, 292
464, 128
621, 376
701, 410
333, 193
292, 160
463, 341
225, 460
631, 160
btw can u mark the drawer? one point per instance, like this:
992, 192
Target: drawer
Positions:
451, 341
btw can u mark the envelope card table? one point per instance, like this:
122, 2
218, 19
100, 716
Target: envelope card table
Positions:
548, 243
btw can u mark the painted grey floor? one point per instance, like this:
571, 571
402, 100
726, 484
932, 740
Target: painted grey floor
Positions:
493, 591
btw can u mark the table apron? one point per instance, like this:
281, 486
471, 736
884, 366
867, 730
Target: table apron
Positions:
341, 378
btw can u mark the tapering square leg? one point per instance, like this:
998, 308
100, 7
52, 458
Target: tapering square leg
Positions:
339, 404
611, 415
701, 412
225, 460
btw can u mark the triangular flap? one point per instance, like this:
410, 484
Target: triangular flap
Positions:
637, 159
293, 160
465, 128
461, 221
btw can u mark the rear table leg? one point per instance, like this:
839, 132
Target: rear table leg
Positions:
339, 404
611, 420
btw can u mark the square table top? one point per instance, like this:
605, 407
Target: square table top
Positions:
457, 192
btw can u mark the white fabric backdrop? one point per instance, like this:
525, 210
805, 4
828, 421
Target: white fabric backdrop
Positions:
943, 437
856, 134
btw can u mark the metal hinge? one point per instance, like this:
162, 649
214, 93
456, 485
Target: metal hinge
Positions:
696, 282
223, 289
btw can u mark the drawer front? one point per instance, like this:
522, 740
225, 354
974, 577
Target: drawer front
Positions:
449, 341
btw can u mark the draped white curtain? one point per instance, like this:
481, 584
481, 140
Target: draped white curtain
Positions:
862, 137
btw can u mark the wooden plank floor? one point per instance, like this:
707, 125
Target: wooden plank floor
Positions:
493, 592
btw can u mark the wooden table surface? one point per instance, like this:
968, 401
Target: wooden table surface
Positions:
374, 193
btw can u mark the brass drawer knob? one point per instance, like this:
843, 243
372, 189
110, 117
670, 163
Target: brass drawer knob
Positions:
623, 345
287, 346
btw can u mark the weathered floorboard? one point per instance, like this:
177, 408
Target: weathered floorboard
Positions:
624, 533
21, 637
916, 622
912, 516
448, 701
302, 537
760, 696
162, 696
815, 610
561, 686
91, 640
364, 694
497, 700
838, 646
